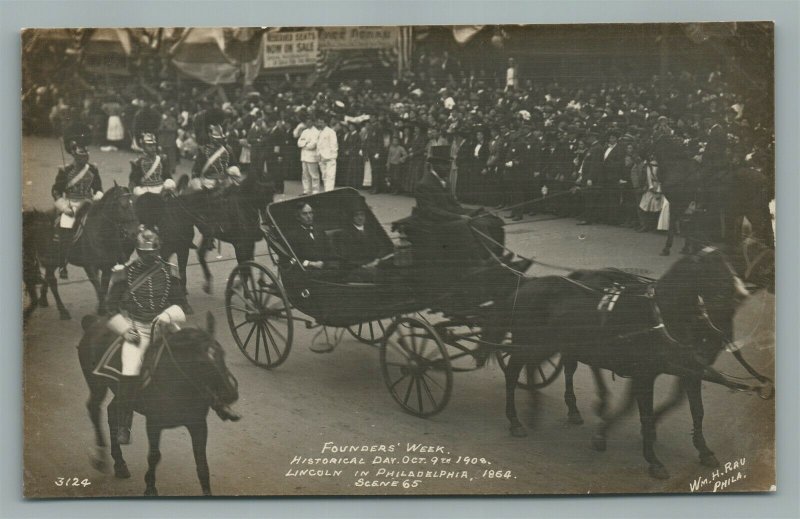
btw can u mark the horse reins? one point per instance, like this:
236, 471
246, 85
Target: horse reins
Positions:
201, 388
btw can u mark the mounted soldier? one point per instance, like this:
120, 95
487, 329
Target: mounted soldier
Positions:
212, 169
76, 186
144, 291
150, 171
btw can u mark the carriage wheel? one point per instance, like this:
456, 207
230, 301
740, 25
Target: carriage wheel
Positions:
534, 377
259, 314
416, 367
371, 332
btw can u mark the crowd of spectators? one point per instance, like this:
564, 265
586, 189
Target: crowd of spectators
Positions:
529, 144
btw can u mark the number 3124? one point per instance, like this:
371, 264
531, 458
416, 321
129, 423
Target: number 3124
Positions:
72, 482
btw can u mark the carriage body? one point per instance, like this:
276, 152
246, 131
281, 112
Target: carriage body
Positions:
453, 286
457, 294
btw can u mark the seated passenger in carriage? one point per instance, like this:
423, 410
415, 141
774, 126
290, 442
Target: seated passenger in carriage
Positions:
310, 244
359, 245
150, 171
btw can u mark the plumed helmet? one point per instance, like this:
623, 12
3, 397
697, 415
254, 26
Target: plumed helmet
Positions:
147, 240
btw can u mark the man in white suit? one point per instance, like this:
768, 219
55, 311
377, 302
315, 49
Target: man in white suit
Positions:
309, 156
328, 150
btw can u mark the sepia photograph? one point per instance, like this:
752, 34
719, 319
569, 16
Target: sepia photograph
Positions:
417, 260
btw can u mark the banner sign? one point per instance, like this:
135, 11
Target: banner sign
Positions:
290, 49
334, 38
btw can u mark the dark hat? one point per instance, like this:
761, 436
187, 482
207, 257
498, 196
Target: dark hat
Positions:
440, 155
356, 205
614, 132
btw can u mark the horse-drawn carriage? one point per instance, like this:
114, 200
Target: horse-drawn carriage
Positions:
418, 354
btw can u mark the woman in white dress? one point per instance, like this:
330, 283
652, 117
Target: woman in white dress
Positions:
116, 132
652, 201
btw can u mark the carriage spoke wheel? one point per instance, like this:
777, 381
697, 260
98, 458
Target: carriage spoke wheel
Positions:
534, 377
416, 367
371, 332
259, 314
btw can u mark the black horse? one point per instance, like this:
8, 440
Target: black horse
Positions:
106, 238
680, 181
232, 216
677, 325
190, 376
175, 228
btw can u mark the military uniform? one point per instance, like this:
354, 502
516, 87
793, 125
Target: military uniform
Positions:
213, 166
74, 187
149, 174
158, 290
210, 166
139, 294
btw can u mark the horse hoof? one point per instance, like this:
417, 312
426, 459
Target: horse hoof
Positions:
665, 252
518, 431
599, 443
574, 419
658, 472
99, 459
43, 303
151, 492
121, 471
64, 316
709, 461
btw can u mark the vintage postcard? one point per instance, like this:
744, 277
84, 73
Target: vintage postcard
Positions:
399, 260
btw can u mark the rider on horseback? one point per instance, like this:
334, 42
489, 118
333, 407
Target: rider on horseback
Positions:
212, 172
142, 291
149, 172
211, 169
76, 185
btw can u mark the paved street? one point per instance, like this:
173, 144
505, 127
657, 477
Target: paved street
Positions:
341, 398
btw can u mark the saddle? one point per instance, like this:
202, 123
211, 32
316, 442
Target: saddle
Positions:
110, 364
77, 229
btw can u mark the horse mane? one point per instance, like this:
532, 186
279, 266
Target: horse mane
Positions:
97, 207
150, 209
186, 341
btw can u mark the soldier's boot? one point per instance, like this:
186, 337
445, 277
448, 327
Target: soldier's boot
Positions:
126, 394
226, 412
64, 237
